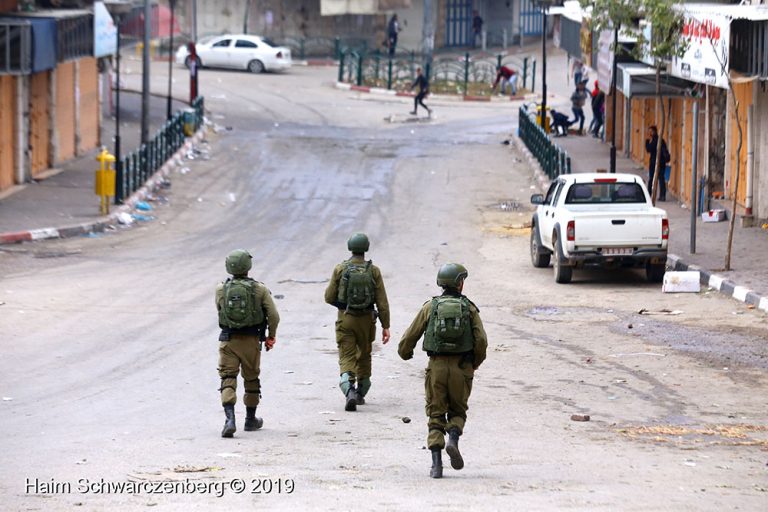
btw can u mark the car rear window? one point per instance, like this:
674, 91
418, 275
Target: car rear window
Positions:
605, 193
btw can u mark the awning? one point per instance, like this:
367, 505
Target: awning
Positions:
637, 79
733, 12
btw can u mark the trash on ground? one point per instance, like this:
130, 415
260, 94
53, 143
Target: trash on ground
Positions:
81, 461
144, 206
195, 469
659, 312
639, 354
306, 383
229, 455
142, 218
279, 296
7, 399
288, 371
184, 170
579, 417
406, 419
125, 218
2, 303
688, 281
92, 235
232, 197
326, 412
713, 216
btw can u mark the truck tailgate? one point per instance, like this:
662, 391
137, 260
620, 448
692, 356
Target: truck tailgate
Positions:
618, 229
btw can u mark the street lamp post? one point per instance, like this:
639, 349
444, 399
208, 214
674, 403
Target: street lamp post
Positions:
117, 9
170, 62
544, 66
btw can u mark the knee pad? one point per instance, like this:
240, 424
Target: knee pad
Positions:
346, 381
364, 385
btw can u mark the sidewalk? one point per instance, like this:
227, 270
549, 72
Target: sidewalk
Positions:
750, 245
66, 197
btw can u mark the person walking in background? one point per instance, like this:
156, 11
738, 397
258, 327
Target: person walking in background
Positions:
651, 143
598, 105
393, 28
578, 72
423, 84
506, 76
578, 99
477, 29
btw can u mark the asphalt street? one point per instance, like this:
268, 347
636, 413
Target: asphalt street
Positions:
109, 351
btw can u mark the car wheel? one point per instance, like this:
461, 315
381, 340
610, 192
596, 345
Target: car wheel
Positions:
255, 66
563, 273
188, 62
539, 256
654, 272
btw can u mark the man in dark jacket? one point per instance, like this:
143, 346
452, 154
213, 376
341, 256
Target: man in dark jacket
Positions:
598, 104
651, 143
423, 85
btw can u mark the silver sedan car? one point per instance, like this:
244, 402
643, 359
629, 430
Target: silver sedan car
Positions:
252, 53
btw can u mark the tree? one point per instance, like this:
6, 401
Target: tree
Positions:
666, 42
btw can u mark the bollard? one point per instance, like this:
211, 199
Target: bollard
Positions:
498, 61
533, 76
428, 71
525, 73
337, 54
341, 67
504, 38
466, 73
568, 165
377, 58
389, 74
301, 49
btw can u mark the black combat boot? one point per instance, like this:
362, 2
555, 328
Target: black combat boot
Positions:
229, 423
351, 399
251, 421
437, 463
452, 449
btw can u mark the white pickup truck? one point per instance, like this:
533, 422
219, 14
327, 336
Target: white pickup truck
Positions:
602, 219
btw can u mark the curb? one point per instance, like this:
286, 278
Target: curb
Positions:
674, 262
720, 283
100, 225
440, 97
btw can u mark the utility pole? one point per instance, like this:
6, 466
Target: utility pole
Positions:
614, 71
194, 21
145, 72
170, 63
245, 18
543, 65
428, 36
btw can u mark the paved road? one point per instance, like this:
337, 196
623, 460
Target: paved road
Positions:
109, 351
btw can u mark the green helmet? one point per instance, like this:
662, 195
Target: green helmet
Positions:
239, 262
451, 275
358, 243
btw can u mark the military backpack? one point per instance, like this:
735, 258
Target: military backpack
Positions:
449, 329
240, 307
357, 289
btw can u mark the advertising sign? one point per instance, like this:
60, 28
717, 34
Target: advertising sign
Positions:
104, 31
706, 61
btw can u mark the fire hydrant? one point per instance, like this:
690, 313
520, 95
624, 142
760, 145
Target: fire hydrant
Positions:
105, 179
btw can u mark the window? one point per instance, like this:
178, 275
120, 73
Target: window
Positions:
15, 47
551, 192
222, 44
605, 193
241, 43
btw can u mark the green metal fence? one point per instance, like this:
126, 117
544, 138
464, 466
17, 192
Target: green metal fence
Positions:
457, 74
553, 159
135, 168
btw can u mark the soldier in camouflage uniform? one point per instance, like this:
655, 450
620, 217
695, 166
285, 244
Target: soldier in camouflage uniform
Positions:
246, 310
456, 344
356, 289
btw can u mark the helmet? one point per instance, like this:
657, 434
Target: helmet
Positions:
358, 243
451, 275
239, 262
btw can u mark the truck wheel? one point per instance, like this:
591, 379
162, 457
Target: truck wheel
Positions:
563, 273
654, 272
539, 256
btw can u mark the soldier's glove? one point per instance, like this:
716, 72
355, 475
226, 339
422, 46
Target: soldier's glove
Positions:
269, 342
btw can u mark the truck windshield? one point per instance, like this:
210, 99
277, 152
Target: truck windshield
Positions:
605, 193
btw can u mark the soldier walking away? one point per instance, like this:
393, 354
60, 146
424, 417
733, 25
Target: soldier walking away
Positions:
456, 343
356, 289
423, 84
246, 310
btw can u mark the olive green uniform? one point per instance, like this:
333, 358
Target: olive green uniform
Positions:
240, 350
448, 377
356, 330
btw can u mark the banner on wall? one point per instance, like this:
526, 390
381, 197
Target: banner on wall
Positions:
104, 31
706, 60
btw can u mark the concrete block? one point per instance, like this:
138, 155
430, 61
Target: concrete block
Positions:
763, 304
713, 216
740, 293
682, 282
